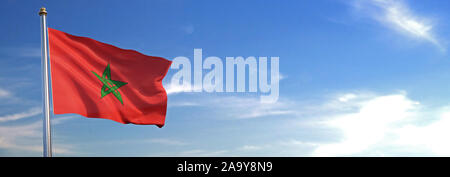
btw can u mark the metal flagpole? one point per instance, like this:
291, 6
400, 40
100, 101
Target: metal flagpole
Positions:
46, 96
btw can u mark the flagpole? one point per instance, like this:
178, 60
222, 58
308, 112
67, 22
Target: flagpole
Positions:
46, 96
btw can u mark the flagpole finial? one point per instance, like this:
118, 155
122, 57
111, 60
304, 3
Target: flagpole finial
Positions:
42, 11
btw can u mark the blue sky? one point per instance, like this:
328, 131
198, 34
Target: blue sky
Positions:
360, 77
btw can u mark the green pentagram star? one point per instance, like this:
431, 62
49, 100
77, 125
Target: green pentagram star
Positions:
109, 85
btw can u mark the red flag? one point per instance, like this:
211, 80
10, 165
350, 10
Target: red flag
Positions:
98, 80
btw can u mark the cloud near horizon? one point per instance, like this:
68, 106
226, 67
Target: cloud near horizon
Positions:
357, 124
382, 125
27, 137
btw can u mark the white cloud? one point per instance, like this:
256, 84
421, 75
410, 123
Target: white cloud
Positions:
347, 97
431, 137
398, 15
28, 137
361, 124
19, 137
31, 112
381, 125
250, 107
348, 124
369, 125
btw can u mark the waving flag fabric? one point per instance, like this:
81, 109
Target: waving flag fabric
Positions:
98, 80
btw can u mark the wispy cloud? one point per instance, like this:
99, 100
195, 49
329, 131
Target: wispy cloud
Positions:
19, 137
166, 142
160, 141
27, 137
242, 107
252, 107
397, 15
8, 97
203, 153
16, 116
250, 148
183, 104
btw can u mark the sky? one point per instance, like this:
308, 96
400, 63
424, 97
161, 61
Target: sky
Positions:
359, 77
